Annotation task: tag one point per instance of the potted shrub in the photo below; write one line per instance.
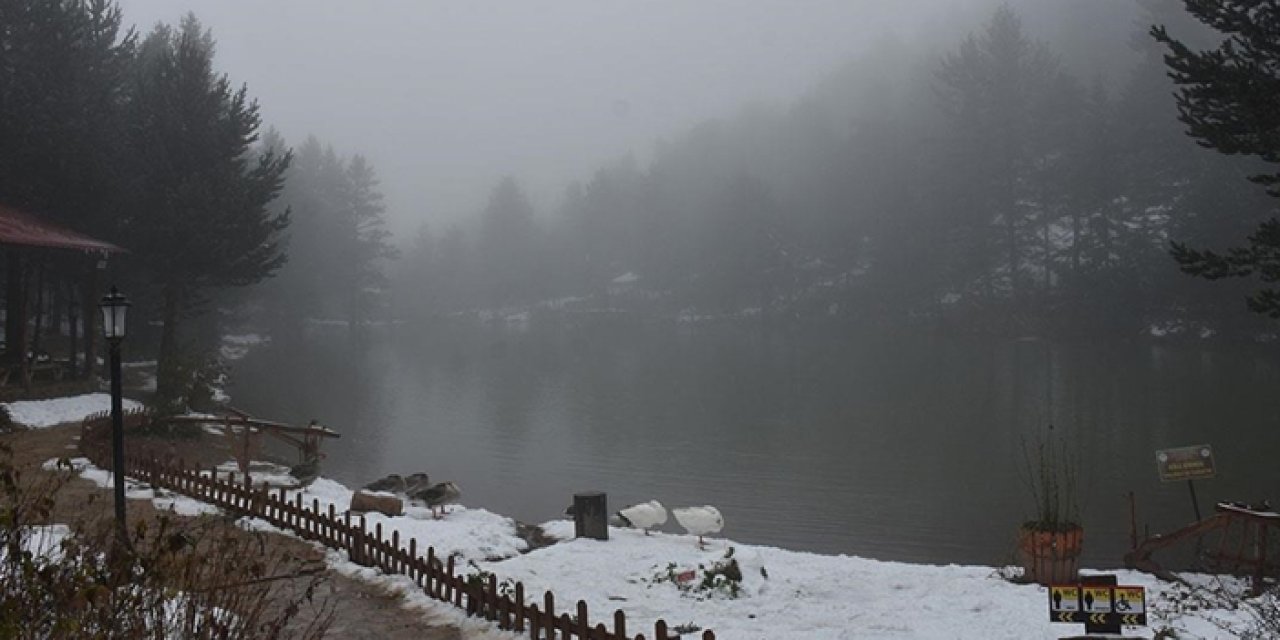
(1049, 542)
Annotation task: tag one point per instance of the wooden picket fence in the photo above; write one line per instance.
(435, 577)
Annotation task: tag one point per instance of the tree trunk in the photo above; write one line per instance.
(38, 333)
(169, 386)
(90, 314)
(72, 331)
(15, 327)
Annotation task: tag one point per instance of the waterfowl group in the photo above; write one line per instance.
(698, 521)
(417, 486)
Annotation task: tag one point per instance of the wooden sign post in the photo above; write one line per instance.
(1186, 463)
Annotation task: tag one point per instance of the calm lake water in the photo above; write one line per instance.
(901, 446)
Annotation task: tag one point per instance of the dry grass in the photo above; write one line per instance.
(173, 577)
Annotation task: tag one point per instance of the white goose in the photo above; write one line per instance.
(699, 521)
(644, 515)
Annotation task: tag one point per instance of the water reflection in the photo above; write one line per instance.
(892, 445)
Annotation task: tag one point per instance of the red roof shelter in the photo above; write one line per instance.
(26, 230)
(33, 246)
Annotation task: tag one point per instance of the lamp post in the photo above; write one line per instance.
(114, 305)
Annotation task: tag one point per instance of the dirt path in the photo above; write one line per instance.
(361, 610)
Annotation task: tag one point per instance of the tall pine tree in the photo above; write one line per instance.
(199, 217)
(1228, 99)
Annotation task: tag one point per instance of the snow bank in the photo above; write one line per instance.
(783, 594)
(40, 414)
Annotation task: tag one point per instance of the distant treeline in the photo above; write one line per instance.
(984, 184)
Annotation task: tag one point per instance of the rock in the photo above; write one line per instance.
(383, 503)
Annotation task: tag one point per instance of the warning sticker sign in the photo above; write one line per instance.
(1097, 600)
(1097, 604)
(1129, 600)
(1064, 598)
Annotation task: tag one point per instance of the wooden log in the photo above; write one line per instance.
(362, 501)
(660, 630)
(619, 624)
(708, 635)
(584, 622)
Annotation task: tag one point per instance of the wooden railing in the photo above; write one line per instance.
(435, 577)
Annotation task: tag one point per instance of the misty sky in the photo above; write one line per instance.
(446, 97)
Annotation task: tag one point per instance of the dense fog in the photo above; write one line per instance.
(1012, 168)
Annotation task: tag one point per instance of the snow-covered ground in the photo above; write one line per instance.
(40, 414)
(784, 594)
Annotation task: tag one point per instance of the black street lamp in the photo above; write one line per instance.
(114, 305)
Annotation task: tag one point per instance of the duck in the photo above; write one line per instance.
(644, 515)
(392, 484)
(438, 496)
(416, 482)
(699, 521)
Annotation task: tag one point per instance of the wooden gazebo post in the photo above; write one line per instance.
(89, 313)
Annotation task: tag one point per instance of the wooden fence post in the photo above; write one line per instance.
(491, 598)
(431, 574)
(448, 582)
(438, 580)
(535, 622)
(520, 612)
(549, 604)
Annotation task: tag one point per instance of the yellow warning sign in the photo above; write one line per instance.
(1064, 598)
(1129, 601)
(1097, 600)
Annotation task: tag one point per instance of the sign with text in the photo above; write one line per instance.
(1185, 463)
(1097, 604)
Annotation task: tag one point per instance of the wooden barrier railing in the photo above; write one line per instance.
(437, 578)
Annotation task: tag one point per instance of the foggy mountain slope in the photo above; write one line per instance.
(977, 177)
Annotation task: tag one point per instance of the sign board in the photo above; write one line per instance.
(1185, 463)
(1097, 604)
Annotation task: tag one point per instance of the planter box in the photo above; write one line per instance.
(1050, 557)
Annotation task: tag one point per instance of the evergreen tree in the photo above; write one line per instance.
(363, 243)
(62, 66)
(506, 246)
(996, 88)
(1228, 100)
(199, 215)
